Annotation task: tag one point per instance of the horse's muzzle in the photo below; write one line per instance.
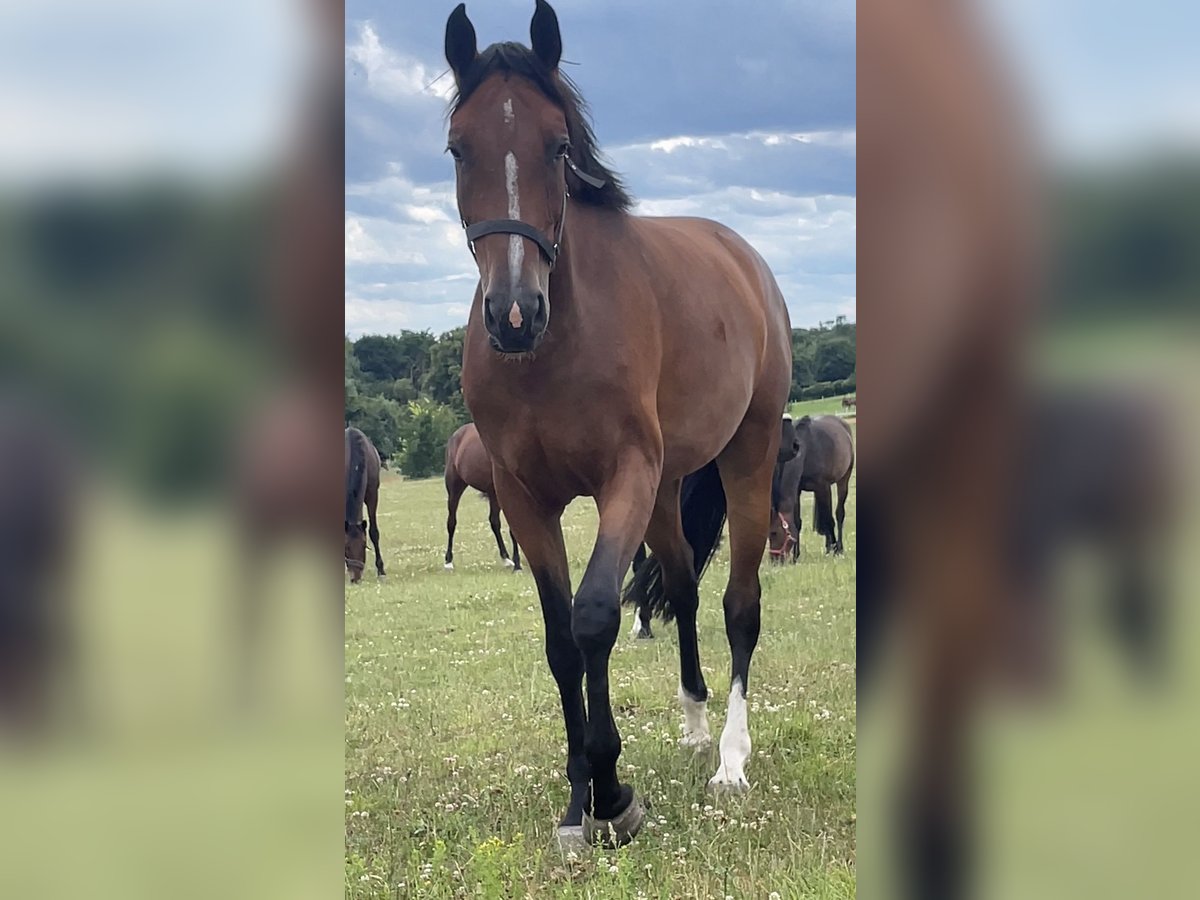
(516, 324)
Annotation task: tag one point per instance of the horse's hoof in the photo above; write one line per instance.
(697, 740)
(617, 831)
(571, 839)
(449, 567)
(721, 783)
(509, 563)
(646, 635)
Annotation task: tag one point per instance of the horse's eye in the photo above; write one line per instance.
(454, 152)
(563, 149)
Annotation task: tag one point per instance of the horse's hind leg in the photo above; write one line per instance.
(641, 616)
(494, 521)
(516, 552)
(843, 488)
(372, 499)
(666, 538)
(823, 499)
(454, 492)
(745, 465)
(795, 514)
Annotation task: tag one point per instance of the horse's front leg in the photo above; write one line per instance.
(372, 499)
(540, 532)
(625, 503)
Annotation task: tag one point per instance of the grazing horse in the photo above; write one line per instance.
(468, 465)
(362, 485)
(672, 335)
(825, 458)
(849, 402)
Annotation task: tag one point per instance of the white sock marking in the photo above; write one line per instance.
(636, 628)
(735, 743)
(449, 567)
(695, 721)
(516, 244)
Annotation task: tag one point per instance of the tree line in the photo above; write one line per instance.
(404, 390)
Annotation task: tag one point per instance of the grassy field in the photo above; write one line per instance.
(827, 406)
(455, 747)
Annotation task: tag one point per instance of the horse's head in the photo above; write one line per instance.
(356, 549)
(780, 538)
(510, 141)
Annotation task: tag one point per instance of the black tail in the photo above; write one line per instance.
(823, 511)
(702, 502)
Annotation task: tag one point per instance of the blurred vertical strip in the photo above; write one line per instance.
(171, 329)
(1029, 231)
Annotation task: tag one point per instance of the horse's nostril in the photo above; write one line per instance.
(489, 318)
(539, 318)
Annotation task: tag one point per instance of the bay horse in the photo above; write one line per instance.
(825, 458)
(362, 486)
(468, 465)
(674, 337)
(850, 402)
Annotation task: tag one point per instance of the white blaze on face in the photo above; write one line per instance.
(735, 743)
(516, 245)
(509, 116)
(695, 721)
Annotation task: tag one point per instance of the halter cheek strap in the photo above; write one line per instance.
(524, 229)
(789, 540)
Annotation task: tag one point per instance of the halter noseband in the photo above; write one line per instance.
(788, 541)
(524, 229)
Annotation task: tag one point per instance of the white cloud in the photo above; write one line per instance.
(391, 75)
(838, 139)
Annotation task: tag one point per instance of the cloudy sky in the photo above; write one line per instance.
(739, 112)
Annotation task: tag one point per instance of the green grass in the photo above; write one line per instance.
(455, 747)
(826, 406)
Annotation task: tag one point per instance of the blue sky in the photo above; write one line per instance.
(739, 112)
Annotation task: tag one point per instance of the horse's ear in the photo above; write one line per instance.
(460, 42)
(544, 33)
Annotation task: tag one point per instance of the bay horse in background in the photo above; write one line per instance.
(468, 465)
(825, 458)
(362, 486)
(674, 337)
(850, 402)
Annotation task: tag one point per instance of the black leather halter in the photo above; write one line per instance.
(524, 229)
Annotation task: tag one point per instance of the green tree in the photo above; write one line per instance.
(834, 360)
(427, 428)
(443, 381)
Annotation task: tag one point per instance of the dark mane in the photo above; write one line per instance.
(511, 58)
(356, 474)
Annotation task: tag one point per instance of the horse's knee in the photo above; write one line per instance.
(595, 619)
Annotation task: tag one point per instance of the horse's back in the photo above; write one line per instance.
(705, 248)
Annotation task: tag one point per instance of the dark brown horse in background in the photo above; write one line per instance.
(362, 486)
(825, 458)
(468, 465)
(673, 335)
